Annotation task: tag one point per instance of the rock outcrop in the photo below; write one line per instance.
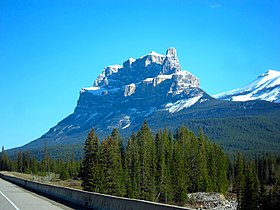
(213, 201)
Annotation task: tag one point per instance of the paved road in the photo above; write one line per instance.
(13, 197)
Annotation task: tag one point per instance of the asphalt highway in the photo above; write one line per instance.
(13, 197)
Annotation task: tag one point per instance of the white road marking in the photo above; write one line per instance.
(9, 201)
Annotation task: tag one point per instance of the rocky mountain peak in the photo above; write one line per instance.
(124, 95)
(137, 70)
(171, 52)
(171, 63)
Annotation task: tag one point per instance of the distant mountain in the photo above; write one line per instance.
(155, 88)
(265, 87)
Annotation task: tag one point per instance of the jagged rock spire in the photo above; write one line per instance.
(135, 70)
(171, 52)
(171, 63)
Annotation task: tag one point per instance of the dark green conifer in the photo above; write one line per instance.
(112, 168)
(222, 165)
(238, 181)
(203, 178)
(147, 153)
(116, 136)
(163, 175)
(179, 174)
(249, 199)
(128, 169)
(90, 172)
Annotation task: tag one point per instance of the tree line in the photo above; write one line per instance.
(162, 168)
(23, 162)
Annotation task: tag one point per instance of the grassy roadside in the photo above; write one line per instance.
(71, 183)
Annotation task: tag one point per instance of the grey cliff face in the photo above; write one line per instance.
(135, 71)
(171, 63)
(123, 96)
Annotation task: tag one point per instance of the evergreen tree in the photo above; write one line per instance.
(249, 199)
(116, 136)
(136, 167)
(263, 198)
(128, 169)
(147, 155)
(179, 174)
(90, 172)
(112, 167)
(238, 182)
(212, 165)
(4, 161)
(169, 150)
(34, 166)
(26, 162)
(64, 175)
(203, 178)
(221, 160)
(275, 198)
(163, 175)
(20, 162)
(193, 163)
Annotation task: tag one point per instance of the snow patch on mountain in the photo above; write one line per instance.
(182, 104)
(153, 53)
(265, 87)
(124, 123)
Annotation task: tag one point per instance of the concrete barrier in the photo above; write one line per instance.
(88, 199)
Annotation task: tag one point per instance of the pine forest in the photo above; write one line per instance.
(162, 167)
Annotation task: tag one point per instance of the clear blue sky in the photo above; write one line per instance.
(50, 49)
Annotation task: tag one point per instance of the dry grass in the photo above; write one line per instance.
(71, 183)
(75, 184)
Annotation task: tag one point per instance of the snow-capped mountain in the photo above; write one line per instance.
(123, 96)
(154, 88)
(265, 87)
(153, 77)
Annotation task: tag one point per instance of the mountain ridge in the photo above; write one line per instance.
(264, 87)
(156, 89)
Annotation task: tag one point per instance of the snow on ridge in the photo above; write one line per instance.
(153, 53)
(165, 76)
(256, 90)
(148, 80)
(132, 60)
(182, 104)
(126, 126)
(160, 76)
(267, 77)
(125, 120)
(99, 90)
(271, 72)
(274, 82)
(115, 66)
(94, 90)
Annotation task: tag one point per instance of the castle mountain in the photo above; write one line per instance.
(155, 88)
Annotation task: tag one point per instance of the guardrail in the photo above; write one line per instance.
(89, 199)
